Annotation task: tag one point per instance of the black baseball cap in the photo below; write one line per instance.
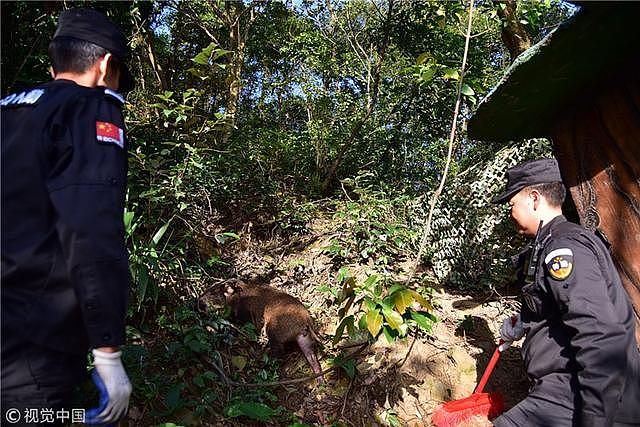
(532, 172)
(94, 27)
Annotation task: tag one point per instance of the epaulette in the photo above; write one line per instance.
(112, 94)
(28, 97)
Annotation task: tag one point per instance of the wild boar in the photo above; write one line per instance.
(284, 318)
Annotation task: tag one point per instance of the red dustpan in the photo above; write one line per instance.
(488, 405)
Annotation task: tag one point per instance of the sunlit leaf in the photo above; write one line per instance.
(343, 274)
(239, 362)
(422, 301)
(427, 73)
(402, 300)
(370, 281)
(389, 334)
(424, 57)
(423, 321)
(466, 90)
(203, 57)
(158, 235)
(451, 73)
(395, 288)
(393, 318)
(128, 219)
(374, 322)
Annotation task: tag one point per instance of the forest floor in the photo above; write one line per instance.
(398, 383)
(402, 383)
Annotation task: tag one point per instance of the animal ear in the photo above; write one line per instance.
(229, 291)
(233, 286)
(236, 284)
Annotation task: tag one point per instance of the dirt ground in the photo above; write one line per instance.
(400, 383)
(443, 367)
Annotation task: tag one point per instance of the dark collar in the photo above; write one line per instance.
(551, 224)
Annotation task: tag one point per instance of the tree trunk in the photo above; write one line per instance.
(233, 80)
(238, 33)
(155, 65)
(596, 147)
(371, 103)
(513, 35)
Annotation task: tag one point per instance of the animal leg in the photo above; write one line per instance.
(276, 349)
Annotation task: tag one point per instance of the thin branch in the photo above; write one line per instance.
(221, 15)
(363, 58)
(251, 10)
(252, 18)
(479, 34)
(229, 382)
(15, 78)
(427, 227)
(196, 21)
(359, 123)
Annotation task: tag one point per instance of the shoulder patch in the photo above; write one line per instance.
(559, 263)
(108, 132)
(28, 97)
(114, 95)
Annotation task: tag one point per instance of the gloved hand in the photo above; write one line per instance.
(114, 387)
(512, 330)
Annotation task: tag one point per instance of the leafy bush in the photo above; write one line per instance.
(375, 248)
(381, 306)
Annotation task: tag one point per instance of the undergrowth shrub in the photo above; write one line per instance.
(376, 289)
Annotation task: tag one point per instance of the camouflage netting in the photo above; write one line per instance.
(473, 239)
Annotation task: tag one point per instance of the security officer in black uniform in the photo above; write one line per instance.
(65, 274)
(580, 350)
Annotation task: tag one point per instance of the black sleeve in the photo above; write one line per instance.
(574, 276)
(87, 189)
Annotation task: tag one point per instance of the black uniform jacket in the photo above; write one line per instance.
(65, 275)
(580, 348)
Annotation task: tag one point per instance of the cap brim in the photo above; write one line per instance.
(126, 83)
(506, 196)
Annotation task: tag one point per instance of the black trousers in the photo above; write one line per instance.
(37, 385)
(535, 411)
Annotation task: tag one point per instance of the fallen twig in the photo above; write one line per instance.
(229, 382)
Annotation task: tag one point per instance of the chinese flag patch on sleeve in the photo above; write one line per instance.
(108, 132)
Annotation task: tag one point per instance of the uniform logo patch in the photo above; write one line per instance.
(560, 263)
(108, 132)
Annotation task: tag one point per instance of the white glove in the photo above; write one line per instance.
(512, 330)
(114, 386)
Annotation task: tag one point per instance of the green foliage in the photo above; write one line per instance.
(181, 338)
(191, 389)
(378, 227)
(381, 307)
(379, 231)
(254, 410)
